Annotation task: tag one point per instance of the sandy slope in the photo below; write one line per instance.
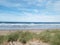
(29, 43)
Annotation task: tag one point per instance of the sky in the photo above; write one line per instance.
(30, 10)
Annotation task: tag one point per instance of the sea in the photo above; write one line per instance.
(29, 25)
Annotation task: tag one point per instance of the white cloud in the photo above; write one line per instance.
(56, 6)
(34, 2)
(42, 18)
(36, 11)
(40, 1)
(30, 17)
(53, 6)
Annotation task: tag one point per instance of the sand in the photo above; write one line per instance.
(5, 32)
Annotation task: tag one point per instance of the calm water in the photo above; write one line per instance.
(29, 25)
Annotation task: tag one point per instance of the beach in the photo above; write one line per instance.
(38, 39)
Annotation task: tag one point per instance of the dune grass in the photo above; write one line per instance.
(49, 36)
(45, 36)
(52, 37)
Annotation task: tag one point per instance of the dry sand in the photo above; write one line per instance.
(5, 32)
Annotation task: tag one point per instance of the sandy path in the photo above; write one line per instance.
(29, 43)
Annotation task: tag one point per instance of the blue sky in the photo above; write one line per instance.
(30, 10)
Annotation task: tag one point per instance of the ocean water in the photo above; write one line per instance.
(29, 25)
